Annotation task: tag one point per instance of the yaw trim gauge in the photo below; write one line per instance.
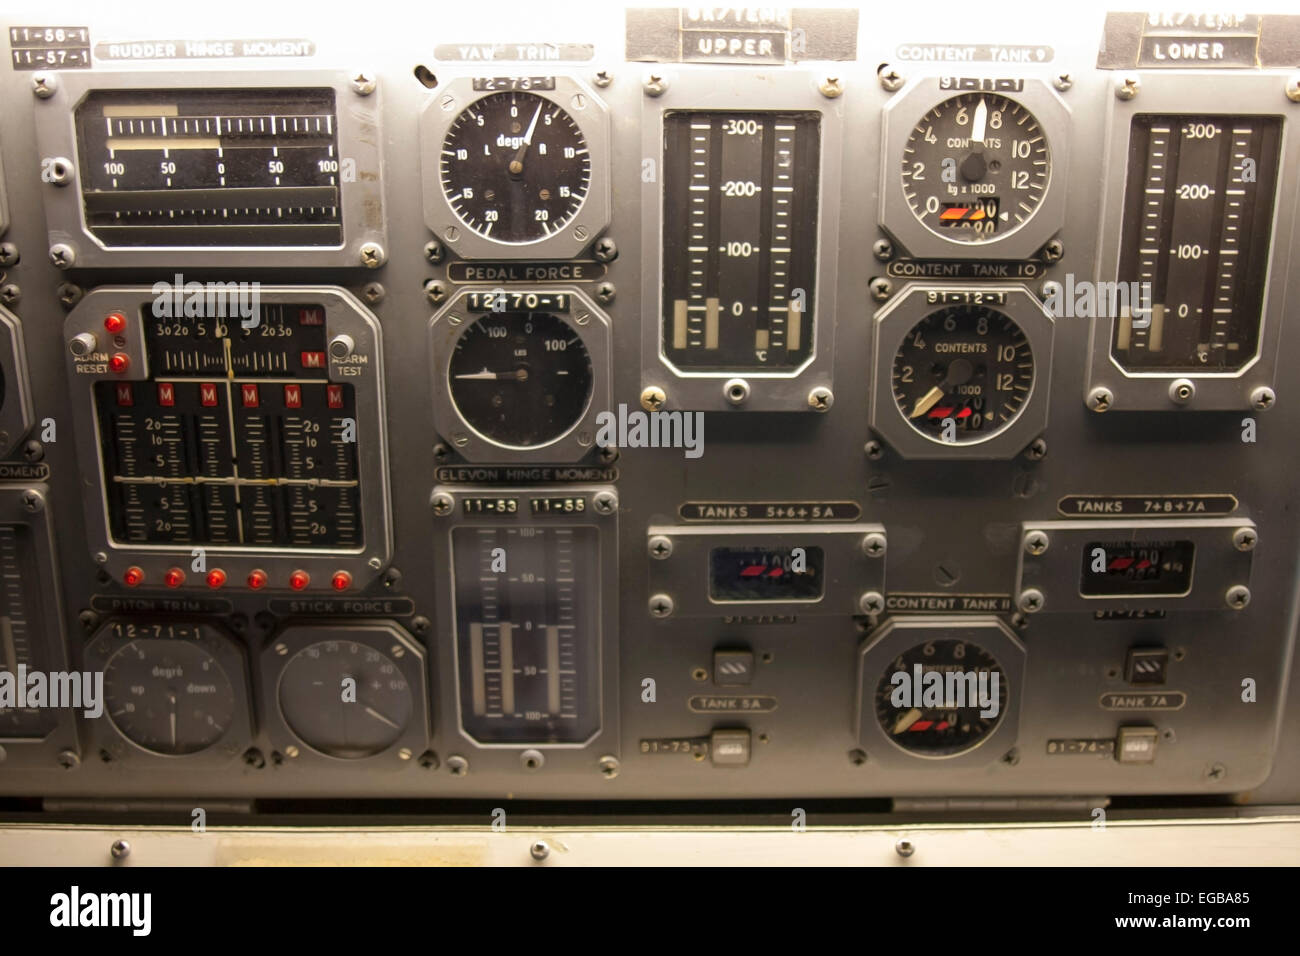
(974, 168)
(515, 169)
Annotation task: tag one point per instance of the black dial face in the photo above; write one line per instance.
(976, 167)
(515, 167)
(345, 699)
(165, 690)
(520, 379)
(941, 698)
(962, 374)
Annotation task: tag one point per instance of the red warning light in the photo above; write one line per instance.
(341, 581)
(257, 580)
(216, 578)
(120, 362)
(299, 580)
(174, 577)
(115, 323)
(132, 577)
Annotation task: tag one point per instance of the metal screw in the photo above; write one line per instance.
(1053, 251)
(602, 78)
(532, 760)
(831, 87)
(375, 563)
(457, 765)
(1262, 398)
(1245, 539)
(1215, 772)
(905, 848)
(429, 760)
(69, 294)
(60, 171)
(539, 850)
(1035, 542)
(605, 293)
(736, 391)
(1182, 391)
(69, 759)
(606, 250)
(873, 545)
(1100, 399)
(33, 501)
(120, 849)
(653, 398)
(654, 84)
(363, 84)
(373, 292)
(1238, 596)
(820, 399)
(1063, 82)
(604, 502)
(1012, 757)
(1126, 87)
(10, 293)
(873, 449)
(660, 546)
(883, 250)
(1293, 89)
(44, 84)
(62, 255)
(8, 254)
(442, 504)
(881, 288)
(1037, 450)
(890, 78)
(255, 759)
(871, 602)
(1048, 289)
(434, 251)
(661, 605)
(372, 255)
(609, 767)
(101, 557)
(435, 291)
(1031, 600)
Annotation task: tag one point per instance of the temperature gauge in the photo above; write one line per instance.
(740, 203)
(1198, 217)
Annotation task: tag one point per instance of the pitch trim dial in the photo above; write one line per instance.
(516, 169)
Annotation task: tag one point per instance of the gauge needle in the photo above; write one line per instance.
(380, 717)
(907, 720)
(981, 122)
(519, 375)
(171, 700)
(517, 164)
(926, 402)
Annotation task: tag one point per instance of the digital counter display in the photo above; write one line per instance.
(1120, 568)
(766, 574)
(739, 239)
(1198, 213)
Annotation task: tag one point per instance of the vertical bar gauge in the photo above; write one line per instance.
(23, 641)
(1198, 214)
(739, 239)
(527, 633)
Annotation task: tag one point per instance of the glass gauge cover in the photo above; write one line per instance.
(165, 690)
(515, 167)
(520, 379)
(976, 167)
(962, 374)
(941, 698)
(345, 699)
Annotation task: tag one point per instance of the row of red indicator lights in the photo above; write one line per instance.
(174, 577)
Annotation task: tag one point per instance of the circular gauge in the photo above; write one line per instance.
(520, 379)
(345, 699)
(976, 167)
(947, 713)
(515, 167)
(962, 374)
(168, 694)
